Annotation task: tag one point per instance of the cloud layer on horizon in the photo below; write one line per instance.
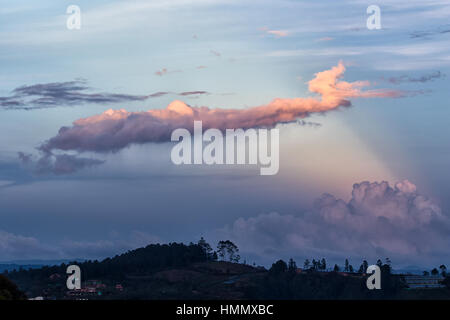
(19, 247)
(379, 221)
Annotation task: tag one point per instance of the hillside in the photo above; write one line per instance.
(178, 271)
(8, 290)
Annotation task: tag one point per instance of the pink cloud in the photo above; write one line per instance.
(278, 33)
(165, 71)
(117, 129)
(161, 72)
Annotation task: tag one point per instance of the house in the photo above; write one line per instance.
(55, 276)
(423, 282)
(119, 287)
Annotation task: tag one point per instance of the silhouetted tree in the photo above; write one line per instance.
(434, 272)
(206, 248)
(365, 266)
(336, 268)
(292, 266)
(228, 248)
(446, 282)
(388, 262)
(9, 291)
(379, 263)
(360, 270)
(346, 265)
(324, 264)
(306, 264)
(443, 270)
(350, 268)
(278, 267)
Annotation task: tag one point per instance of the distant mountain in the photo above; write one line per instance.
(12, 266)
(32, 264)
(43, 262)
(410, 270)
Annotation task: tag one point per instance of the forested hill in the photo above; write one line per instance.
(8, 290)
(196, 271)
(140, 261)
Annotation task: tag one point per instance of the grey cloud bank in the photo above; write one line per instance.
(379, 221)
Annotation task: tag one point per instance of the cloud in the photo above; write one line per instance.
(26, 158)
(159, 94)
(325, 39)
(425, 78)
(309, 123)
(165, 71)
(378, 221)
(189, 93)
(216, 53)
(278, 33)
(14, 246)
(19, 247)
(11, 103)
(106, 248)
(70, 93)
(427, 34)
(116, 129)
(57, 94)
(57, 164)
(64, 163)
(161, 72)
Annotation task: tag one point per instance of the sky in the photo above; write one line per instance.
(86, 117)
